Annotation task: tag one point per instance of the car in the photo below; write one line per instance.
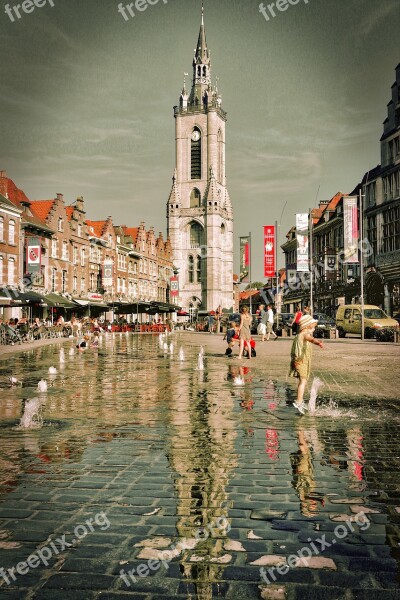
(348, 320)
(324, 326)
(396, 317)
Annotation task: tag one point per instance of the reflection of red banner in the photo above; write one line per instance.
(174, 287)
(269, 251)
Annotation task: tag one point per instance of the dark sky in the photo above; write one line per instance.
(86, 102)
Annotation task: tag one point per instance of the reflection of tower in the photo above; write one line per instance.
(199, 210)
(202, 438)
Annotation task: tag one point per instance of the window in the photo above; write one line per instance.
(82, 257)
(11, 271)
(196, 235)
(83, 284)
(196, 154)
(75, 284)
(65, 251)
(92, 282)
(11, 232)
(371, 233)
(54, 248)
(191, 269)
(1, 229)
(195, 198)
(60, 224)
(1, 270)
(198, 269)
(391, 229)
(74, 255)
(53, 280)
(64, 282)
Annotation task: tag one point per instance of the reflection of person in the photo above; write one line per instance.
(300, 363)
(244, 332)
(303, 476)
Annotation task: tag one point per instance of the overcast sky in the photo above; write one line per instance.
(86, 102)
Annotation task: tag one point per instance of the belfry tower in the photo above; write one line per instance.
(199, 210)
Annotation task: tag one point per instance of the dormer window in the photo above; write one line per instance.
(60, 224)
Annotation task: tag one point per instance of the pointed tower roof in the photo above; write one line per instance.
(202, 55)
(174, 197)
(212, 191)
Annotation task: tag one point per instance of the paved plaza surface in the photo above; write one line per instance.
(139, 474)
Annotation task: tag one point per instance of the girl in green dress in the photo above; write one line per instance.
(300, 357)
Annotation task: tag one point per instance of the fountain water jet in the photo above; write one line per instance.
(316, 384)
(200, 362)
(31, 410)
(181, 354)
(42, 385)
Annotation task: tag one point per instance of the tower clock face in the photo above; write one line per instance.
(195, 136)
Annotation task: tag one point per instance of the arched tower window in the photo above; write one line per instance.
(195, 198)
(199, 71)
(196, 235)
(191, 269)
(220, 156)
(204, 71)
(198, 269)
(196, 154)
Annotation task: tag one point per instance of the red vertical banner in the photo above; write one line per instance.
(174, 287)
(244, 260)
(269, 251)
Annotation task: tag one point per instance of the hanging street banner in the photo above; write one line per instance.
(174, 287)
(269, 251)
(244, 276)
(33, 255)
(108, 273)
(302, 242)
(350, 229)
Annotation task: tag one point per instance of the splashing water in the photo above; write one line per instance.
(42, 385)
(52, 370)
(31, 417)
(14, 381)
(71, 352)
(316, 384)
(181, 354)
(165, 347)
(200, 362)
(171, 348)
(62, 355)
(238, 380)
(161, 340)
(201, 351)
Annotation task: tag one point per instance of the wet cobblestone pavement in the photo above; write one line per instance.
(149, 478)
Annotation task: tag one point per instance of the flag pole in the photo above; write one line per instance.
(251, 309)
(277, 274)
(310, 251)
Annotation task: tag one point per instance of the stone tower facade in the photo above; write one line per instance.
(199, 210)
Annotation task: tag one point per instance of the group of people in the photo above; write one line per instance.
(303, 325)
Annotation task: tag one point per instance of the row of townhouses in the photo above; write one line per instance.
(53, 258)
(335, 281)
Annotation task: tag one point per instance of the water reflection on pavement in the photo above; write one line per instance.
(170, 452)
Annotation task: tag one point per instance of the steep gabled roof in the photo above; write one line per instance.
(130, 232)
(97, 226)
(15, 194)
(69, 211)
(42, 208)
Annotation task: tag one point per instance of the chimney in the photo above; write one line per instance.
(60, 197)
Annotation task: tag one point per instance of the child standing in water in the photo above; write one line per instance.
(300, 363)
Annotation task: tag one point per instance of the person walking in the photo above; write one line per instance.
(210, 320)
(295, 322)
(270, 323)
(262, 326)
(300, 358)
(218, 315)
(245, 332)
